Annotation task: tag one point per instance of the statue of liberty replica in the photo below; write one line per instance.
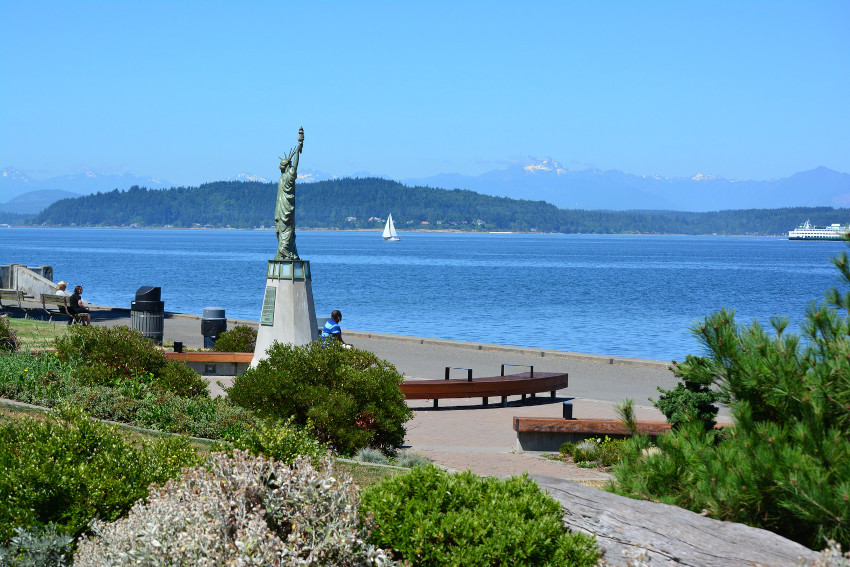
(284, 211)
(288, 314)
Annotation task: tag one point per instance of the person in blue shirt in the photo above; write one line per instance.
(331, 328)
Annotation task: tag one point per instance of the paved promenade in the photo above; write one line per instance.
(462, 434)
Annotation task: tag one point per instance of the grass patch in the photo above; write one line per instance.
(37, 335)
(364, 474)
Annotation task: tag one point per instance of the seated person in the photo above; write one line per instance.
(77, 307)
(60, 289)
(331, 328)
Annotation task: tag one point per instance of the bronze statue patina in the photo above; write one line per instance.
(284, 211)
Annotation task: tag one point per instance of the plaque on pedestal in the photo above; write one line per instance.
(288, 314)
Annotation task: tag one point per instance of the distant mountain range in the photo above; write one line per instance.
(547, 180)
(536, 180)
(28, 195)
(25, 195)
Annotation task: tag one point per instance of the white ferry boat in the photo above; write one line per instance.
(808, 231)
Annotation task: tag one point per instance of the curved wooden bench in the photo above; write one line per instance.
(521, 384)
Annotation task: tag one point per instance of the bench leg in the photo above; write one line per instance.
(553, 393)
(485, 402)
(523, 397)
(436, 403)
(504, 401)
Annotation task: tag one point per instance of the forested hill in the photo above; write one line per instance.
(365, 202)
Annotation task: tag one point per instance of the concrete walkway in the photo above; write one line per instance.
(462, 434)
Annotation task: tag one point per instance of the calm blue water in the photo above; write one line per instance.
(616, 295)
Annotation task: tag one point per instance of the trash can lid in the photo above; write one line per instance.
(148, 293)
(214, 313)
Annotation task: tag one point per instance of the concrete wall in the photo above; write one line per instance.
(34, 280)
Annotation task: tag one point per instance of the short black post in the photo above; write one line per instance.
(178, 346)
(568, 410)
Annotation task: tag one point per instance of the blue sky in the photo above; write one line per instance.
(200, 91)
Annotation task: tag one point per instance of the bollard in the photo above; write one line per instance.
(178, 346)
(213, 324)
(568, 410)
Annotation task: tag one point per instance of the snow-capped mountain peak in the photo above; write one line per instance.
(704, 177)
(251, 177)
(11, 174)
(545, 164)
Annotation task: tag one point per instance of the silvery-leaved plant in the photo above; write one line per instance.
(240, 510)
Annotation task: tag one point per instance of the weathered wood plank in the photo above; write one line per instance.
(670, 536)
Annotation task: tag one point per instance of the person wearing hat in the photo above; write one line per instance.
(60, 288)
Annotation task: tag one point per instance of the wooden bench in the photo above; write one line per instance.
(54, 304)
(14, 299)
(521, 384)
(549, 433)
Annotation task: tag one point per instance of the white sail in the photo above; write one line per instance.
(389, 230)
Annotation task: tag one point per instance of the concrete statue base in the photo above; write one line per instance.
(288, 315)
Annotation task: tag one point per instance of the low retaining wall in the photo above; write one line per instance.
(548, 434)
(34, 280)
(214, 363)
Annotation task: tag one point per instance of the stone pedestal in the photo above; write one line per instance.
(288, 315)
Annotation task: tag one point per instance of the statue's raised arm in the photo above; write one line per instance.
(298, 150)
(284, 212)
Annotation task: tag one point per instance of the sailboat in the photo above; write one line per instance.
(389, 230)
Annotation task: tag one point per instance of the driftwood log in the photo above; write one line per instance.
(668, 535)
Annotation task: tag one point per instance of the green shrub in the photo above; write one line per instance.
(785, 464)
(122, 358)
(41, 547)
(199, 417)
(70, 469)
(431, 517)
(601, 452)
(179, 379)
(625, 410)
(240, 338)
(692, 399)
(8, 338)
(585, 451)
(369, 455)
(239, 510)
(350, 398)
(609, 451)
(567, 448)
(409, 459)
(45, 379)
(278, 440)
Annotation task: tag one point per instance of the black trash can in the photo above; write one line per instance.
(147, 312)
(213, 324)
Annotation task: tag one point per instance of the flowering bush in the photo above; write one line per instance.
(239, 510)
(350, 398)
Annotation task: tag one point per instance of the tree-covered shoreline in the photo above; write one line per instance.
(363, 203)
